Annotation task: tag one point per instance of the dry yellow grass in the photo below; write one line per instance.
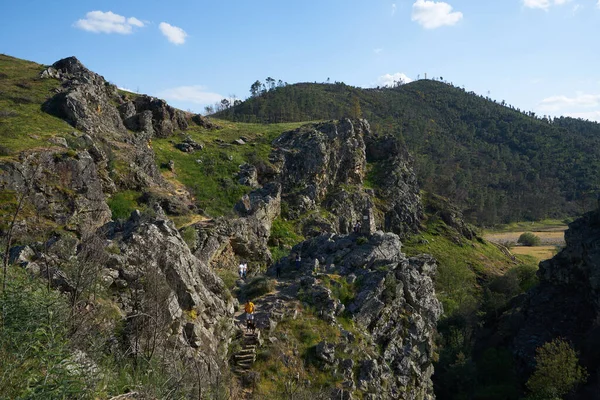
(539, 252)
(550, 238)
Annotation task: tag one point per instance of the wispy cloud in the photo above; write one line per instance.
(174, 34)
(433, 14)
(108, 22)
(393, 79)
(196, 94)
(377, 51)
(544, 4)
(560, 103)
(394, 8)
(591, 115)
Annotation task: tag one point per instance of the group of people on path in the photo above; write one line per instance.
(243, 270)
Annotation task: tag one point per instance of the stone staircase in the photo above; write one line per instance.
(244, 358)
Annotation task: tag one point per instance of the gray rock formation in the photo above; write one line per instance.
(325, 165)
(395, 304)
(200, 309)
(85, 101)
(149, 114)
(61, 187)
(224, 242)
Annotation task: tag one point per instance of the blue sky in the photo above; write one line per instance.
(540, 55)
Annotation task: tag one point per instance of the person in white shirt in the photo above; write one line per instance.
(241, 270)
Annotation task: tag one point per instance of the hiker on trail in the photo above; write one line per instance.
(357, 227)
(245, 270)
(249, 309)
(241, 270)
(278, 270)
(298, 259)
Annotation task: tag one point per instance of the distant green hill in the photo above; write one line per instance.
(497, 163)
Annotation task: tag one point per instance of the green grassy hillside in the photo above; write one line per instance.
(23, 124)
(497, 163)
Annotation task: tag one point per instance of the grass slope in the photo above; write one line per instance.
(210, 174)
(23, 125)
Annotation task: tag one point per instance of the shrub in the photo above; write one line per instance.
(35, 358)
(122, 204)
(529, 239)
(190, 236)
(557, 371)
(257, 287)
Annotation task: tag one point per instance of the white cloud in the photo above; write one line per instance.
(173, 33)
(108, 22)
(135, 22)
(544, 4)
(592, 115)
(391, 79)
(196, 94)
(558, 103)
(378, 50)
(433, 14)
(394, 9)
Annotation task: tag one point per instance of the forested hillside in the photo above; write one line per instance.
(497, 163)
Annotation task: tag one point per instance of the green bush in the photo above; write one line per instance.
(35, 358)
(122, 204)
(257, 287)
(557, 371)
(190, 236)
(529, 239)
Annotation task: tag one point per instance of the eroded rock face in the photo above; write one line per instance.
(85, 99)
(325, 165)
(222, 243)
(65, 188)
(395, 304)
(150, 114)
(200, 309)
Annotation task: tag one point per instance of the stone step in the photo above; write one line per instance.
(244, 364)
(241, 357)
(241, 371)
(247, 351)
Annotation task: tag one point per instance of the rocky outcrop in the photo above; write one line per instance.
(394, 303)
(152, 253)
(93, 105)
(146, 113)
(224, 242)
(86, 99)
(395, 184)
(315, 161)
(62, 187)
(325, 165)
